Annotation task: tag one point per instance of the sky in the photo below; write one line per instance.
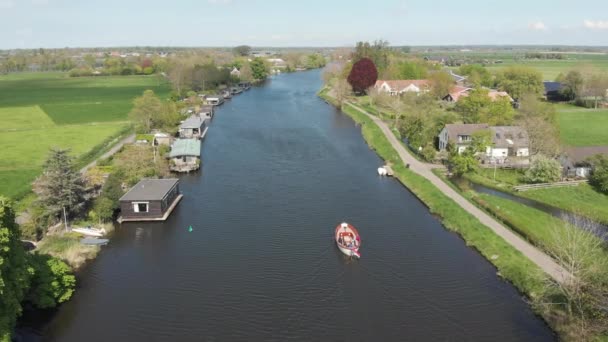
(285, 23)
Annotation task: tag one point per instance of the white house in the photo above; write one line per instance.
(507, 141)
(235, 72)
(398, 87)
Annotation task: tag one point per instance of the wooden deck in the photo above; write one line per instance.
(153, 219)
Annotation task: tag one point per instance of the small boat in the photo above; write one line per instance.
(90, 231)
(348, 239)
(94, 241)
(382, 171)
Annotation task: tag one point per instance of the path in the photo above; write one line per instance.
(114, 149)
(542, 260)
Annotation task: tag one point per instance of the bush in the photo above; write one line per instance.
(52, 283)
(599, 176)
(543, 170)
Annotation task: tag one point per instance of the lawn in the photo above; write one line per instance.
(582, 126)
(43, 110)
(74, 100)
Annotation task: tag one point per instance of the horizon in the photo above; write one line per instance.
(55, 24)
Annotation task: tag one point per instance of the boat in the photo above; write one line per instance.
(382, 171)
(348, 239)
(90, 231)
(94, 241)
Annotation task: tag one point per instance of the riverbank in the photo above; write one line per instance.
(512, 265)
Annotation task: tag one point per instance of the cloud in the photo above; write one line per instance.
(6, 4)
(538, 26)
(596, 25)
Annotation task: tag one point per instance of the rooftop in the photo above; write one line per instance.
(186, 147)
(150, 190)
(454, 130)
(192, 122)
(578, 155)
(509, 136)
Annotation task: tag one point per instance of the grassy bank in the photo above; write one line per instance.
(582, 126)
(511, 264)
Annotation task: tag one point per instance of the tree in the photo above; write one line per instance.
(539, 120)
(499, 113)
(246, 74)
(477, 75)
(363, 75)
(259, 71)
(242, 50)
(146, 109)
(341, 90)
(52, 282)
(103, 208)
(410, 70)
(14, 271)
(60, 187)
(397, 107)
(599, 176)
(543, 170)
(461, 163)
(472, 106)
(595, 86)
(441, 84)
(579, 247)
(573, 85)
(378, 52)
(519, 80)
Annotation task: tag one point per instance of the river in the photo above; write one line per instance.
(280, 170)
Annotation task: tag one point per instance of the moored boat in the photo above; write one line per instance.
(90, 231)
(348, 239)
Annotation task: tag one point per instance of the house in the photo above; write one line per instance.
(193, 127)
(215, 100)
(553, 91)
(574, 160)
(150, 200)
(459, 136)
(437, 59)
(235, 72)
(456, 93)
(398, 87)
(507, 141)
(185, 155)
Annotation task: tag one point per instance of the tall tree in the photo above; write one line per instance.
(573, 84)
(471, 107)
(52, 283)
(363, 75)
(378, 52)
(14, 273)
(595, 86)
(60, 187)
(441, 84)
(242, 50)
(477, 75)
(146, 109)
(539, 120)
(518, 80)
(259, 71)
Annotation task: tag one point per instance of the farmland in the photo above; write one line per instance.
(582, 126)
(44, 110)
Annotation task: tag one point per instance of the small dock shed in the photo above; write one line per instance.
(150, 200)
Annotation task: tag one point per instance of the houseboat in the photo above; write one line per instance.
(226, 94)
(215, 100)
(235, 90)
(206, 112)
(245, 85)
(185, 155)
(150, 200)
(193, 127)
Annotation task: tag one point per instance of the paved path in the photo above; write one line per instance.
(541, 259)
(114, 149)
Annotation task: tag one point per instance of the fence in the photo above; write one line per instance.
(548, 185)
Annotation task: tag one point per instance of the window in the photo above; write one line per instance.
(140, 207)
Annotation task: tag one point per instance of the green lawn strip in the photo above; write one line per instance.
(582, 126)
(23, 118)
(512, 265)
(581, 199)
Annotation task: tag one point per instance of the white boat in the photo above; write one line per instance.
(382, 171)
(90, 231)
(348, 240)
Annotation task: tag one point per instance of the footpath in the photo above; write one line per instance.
(542, 260)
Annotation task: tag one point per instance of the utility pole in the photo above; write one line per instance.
(65, 219)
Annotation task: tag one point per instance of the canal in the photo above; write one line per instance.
(280, 170)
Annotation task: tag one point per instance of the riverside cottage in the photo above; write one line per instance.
(185, 155)
(150, 200)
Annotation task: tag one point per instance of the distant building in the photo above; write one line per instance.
(459, 136)
(150, 200)
(398, 87)
(575, 160)
(235, 72)
(458, 92)
(185, 155)
(553, 91)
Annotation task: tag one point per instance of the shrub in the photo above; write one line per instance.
(543, 170)
(599, 176)
(52, 283)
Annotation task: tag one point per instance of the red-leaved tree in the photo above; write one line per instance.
(363, 75)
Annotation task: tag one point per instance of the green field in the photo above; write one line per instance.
(39, 111)
(582, 126)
